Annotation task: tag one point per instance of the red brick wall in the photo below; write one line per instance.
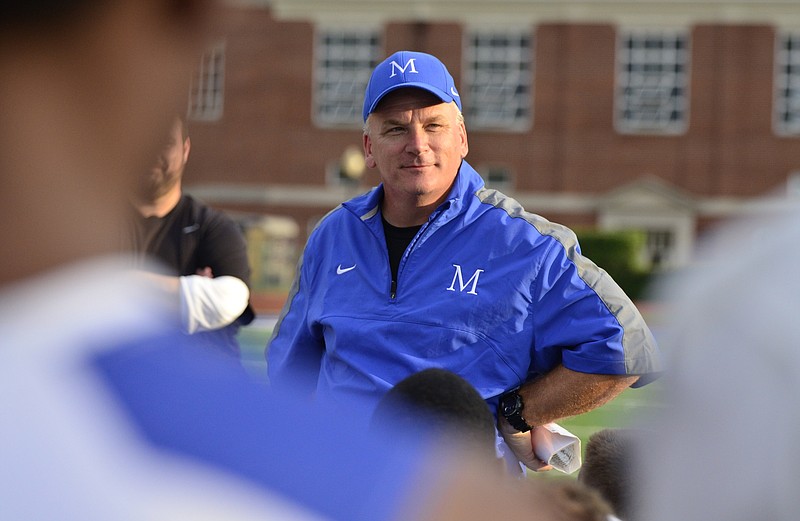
(266, 135)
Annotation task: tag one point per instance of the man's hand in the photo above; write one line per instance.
(521, 444)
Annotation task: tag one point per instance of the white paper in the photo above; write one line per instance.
(558, 447)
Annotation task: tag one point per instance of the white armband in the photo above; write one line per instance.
(211, 303)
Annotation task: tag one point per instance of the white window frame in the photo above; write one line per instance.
(652, 81)
(499, 78)
(344, 58)
(786, 113)
(207, 90)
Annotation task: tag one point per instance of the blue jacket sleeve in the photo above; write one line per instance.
(585, 321)
(294, 351)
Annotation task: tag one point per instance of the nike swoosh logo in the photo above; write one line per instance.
(340, 270)
(454, 92)
(191, 228)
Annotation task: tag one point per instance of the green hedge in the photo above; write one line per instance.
(619, 253)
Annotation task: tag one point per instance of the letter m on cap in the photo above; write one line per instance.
(396, 66)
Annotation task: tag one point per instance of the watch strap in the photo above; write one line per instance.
(511, 406)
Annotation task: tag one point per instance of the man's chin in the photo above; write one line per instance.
(149, 193)
(155, 187)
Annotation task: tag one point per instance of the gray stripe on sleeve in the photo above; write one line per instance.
(641, 354)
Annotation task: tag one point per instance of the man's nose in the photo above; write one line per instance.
(418, 140)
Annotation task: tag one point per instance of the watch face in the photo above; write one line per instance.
(510, 404)
(511, 407)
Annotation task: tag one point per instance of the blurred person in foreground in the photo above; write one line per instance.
(725, 445)
(202, 249)
(439, 400)
(608, 468)
(433, 269)
(571, 500)
(108, 410)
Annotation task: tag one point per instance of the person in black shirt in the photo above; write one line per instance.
(202, 249)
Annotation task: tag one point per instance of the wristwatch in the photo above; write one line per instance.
(511, 408)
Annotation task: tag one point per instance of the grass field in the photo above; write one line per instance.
(253, 341)
(627, 409)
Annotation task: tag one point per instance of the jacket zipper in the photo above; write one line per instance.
(407, 253)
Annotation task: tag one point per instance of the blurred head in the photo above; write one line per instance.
(167, 172)
(440, 401)
(97, 81)
(608, 468)
(38, 15)
(570, 500)
(123, 66)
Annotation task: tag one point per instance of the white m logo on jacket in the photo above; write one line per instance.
(463, 285)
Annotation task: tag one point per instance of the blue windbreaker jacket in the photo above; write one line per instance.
(485, 289)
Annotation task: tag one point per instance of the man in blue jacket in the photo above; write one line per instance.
(432, 269)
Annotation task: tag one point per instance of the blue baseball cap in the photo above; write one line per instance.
(410, 69)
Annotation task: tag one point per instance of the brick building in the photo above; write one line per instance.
(658, 115)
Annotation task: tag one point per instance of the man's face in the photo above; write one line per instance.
(168, 168)
(417, 143)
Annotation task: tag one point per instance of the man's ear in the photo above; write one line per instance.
(464, 140)
(369, 160)
(187, 146)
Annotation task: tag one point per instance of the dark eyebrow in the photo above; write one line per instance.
(393, 123)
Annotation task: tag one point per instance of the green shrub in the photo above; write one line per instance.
(620, 254)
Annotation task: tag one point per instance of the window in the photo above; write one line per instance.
(499, 79)
(652, 82)
(206, 92)
(787, 84)
(660, 248)
(497, 177)
(664, 214)
(344, 61)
